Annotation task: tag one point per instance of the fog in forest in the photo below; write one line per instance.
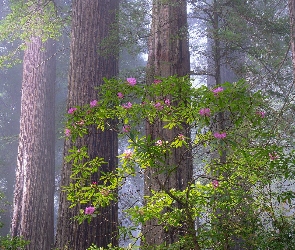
(233, 161)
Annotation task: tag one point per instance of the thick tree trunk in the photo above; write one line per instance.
(168, 56)
(91, 23)
(34, 188)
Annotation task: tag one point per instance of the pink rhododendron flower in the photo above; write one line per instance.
(159, 143)
(181, 137)
(127, 105)
(131, 81)
(260, 113)
(120, 95)
(167, 102)
(94, 183)
(67, 132)
(158, 106)
(273, 156)
(215, 183)
(72, 110)
(127, 154)
(80, 123)
(93, 103)
(204, 112)
(217, 91)
(126, 128)
(219, 135)
(89, 210)
(157, 81)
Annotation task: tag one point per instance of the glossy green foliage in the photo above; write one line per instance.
(234, 196)
(25, 20)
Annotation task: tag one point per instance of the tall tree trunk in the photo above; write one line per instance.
(220, 58)
(292, 24)
(168, 56)
(34, 188)
(91, 23)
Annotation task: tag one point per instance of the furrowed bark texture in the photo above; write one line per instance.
(91, 22)
(168, 56)
(34, 188)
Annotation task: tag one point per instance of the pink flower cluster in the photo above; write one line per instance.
(159, 143)
(217, 91)
(89, 210)
(67, 132)
(157, 81)
(205, 112)
(126, 128)
(260, 114)
(158, 106)
(127, 105)
(219, 135)
(131, 81)
(181, 137)
(120, 95)
(80, 123)
(215, 183)
(127, 154)
(93, 103)
(72, 110)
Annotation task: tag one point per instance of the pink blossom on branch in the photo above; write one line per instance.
(181, 137)
(205, 112)
(167, 102)
(157, 81)
(158, 106)
(159, 143)
(127, 154)
(260, 114)
(219, 135)
(67, 132)
(80, 123)
(72, 110)
(93, 103)
(127, 105)
(126, 129)
(215, 183)
(120, 95)
(89, 210)
(217, 91)
(131, 81)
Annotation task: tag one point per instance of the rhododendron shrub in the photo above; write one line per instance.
(232, 198)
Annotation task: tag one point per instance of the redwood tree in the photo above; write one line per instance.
(168, 56)
(92, 22)
(34, 188)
